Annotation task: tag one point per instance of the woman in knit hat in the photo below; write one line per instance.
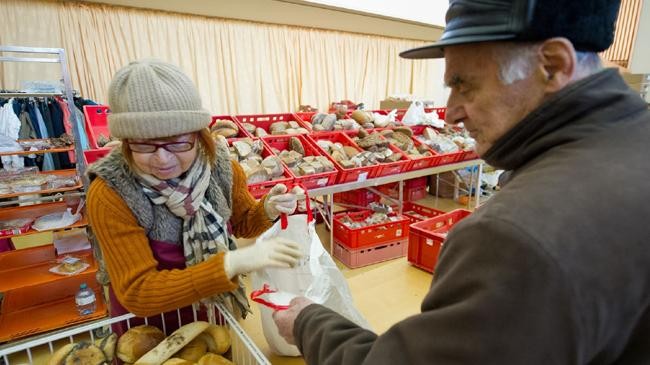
(164, 206)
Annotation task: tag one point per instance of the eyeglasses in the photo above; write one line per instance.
(173, 147)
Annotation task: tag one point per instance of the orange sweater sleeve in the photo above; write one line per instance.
(138, 285)
(248, 218)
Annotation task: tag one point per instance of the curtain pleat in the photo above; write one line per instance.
(239, 67)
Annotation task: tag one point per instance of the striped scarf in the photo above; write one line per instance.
(203, 228)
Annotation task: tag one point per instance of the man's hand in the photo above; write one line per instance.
(285, 319)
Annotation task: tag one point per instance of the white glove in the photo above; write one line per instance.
(275, 252)
(279, 201)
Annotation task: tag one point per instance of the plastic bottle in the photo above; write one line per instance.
(85, 300)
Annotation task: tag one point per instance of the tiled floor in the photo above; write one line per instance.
(405, 284)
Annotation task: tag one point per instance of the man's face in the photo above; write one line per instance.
(487, 107)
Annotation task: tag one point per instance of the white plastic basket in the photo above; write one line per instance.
(37, 350)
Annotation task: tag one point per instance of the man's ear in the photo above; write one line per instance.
(557, 63)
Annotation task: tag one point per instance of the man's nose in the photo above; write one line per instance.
(455, 111)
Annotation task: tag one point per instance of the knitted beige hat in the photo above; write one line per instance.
(154, 99)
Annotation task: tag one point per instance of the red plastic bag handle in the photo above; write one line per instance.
(284, 221)
(256, 297)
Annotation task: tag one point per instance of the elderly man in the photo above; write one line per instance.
(555, 269)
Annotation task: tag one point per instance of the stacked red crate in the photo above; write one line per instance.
(427, 237)
(369, 244)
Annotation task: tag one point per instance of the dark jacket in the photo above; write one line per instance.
(554, 269)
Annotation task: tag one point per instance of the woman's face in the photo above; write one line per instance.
(164, 158)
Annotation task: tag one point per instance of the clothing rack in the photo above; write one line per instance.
(46, 57)
(28, 95)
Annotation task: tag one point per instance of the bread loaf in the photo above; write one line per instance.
(221, 338)
(173, 343)
(137, 341)
(214, 359)
(193, 351)
(177, 361)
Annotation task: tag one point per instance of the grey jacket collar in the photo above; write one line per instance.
(588, 105)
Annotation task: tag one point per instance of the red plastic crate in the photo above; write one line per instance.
(264, 121)
(360, 197)
(413, 211)
(442, 159)
(345, 175)
(389, 168)
(96, 123)
(319, 180)
(372, 234)
(305, 116)
(414, 189)
(418, 163)
(469, 155)
(242, 132)
(260, 189)
(408, 194)
(95, 154)
(354, 258)
(427, 237)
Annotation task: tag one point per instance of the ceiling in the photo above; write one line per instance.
(296, 12)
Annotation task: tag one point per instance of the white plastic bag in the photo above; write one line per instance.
(316, 277)
(414, 114)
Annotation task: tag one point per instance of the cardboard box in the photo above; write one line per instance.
(389, 104)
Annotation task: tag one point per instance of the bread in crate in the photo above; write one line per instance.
(273, 124)
(389, 158)
(307, 164)
(350, 160)
(227, 127)
(262, 168)
(368, 228)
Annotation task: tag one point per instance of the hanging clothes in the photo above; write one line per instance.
(10, 128)
(48, 159)
(31, 110)
(57, 123)
(26, 128)
(49, 128)
(9, 122)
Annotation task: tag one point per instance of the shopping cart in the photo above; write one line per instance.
(37, 350)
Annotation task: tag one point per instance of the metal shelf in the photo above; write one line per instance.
(392, 178)
(328, 192)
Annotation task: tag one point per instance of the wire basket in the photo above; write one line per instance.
(38, 349)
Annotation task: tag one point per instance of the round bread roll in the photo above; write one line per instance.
(193, 350)
(224, 123)
(108, 345)
(173, 343)
(221, 338)
(214, 359)
(137, 341)
(81, 353)
(58, 357)
(177, 361)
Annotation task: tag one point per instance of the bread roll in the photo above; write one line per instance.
(214, 359)
(193, 351)
(221, 337)
(108, 345)
(58, 357)
(137, 341)
(177, 361)
(173, 343)
(85, 354)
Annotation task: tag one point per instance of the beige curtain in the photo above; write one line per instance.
(239, 67)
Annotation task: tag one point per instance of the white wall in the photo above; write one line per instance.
(430, 12)
(640, 58)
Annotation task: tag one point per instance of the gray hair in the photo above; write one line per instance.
(516, 61)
